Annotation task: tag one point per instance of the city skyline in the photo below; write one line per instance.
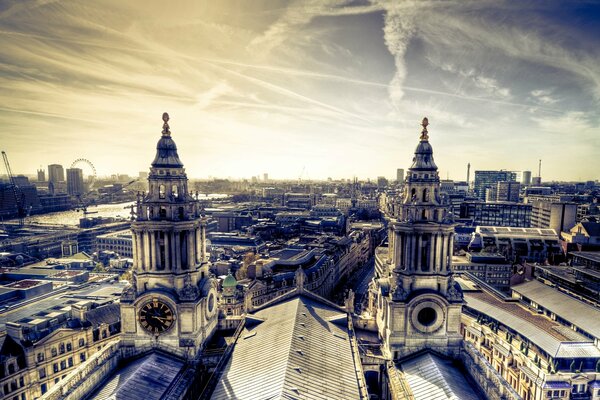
(306, 88)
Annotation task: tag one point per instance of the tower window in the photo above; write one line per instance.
(163, 213)
(427, 316)
(161, 192)
(425, 195)
(175, 191)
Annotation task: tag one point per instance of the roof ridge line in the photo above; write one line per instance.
(289, 352)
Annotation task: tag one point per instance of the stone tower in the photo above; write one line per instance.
(171, 303)
(419, 303)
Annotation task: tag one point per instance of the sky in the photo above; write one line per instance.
(310, 89)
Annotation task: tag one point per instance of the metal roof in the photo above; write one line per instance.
(580, 314)
(298, 352)
(537, 329)
(148, 377)
(433, 378)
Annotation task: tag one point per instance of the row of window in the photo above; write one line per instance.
(61, 350)
(14, 385)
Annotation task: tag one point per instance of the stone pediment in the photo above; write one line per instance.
(56, 335)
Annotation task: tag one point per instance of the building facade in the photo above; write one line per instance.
(75, 185)
(485, 180)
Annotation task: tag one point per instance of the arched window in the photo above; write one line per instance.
(11, 368)
(425, 195)
(175, 191)
(81, 342)
(413, 194)
(423, 214)
(161, 192)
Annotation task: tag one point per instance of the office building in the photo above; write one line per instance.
(400, 175)
(496, 214)
(504, 191)
(75, 186)
(560, 216)
(56, 173)
(526, 178)
(485, 180)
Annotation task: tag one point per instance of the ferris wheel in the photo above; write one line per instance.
(89, 171)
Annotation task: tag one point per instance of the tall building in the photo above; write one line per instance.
(496, 213)
(41, 175)
(526, 178)
(400, 175)
(421, 307)
(485, 180)
(558, 215)
(75, 185)
(171, 304)
(56, 173)
(504, 191)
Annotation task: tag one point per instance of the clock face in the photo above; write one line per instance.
(156, 316)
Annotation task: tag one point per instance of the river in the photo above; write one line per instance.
(119, 211)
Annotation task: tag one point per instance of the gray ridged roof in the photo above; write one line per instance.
(582, 315)
(297, 352)
(547, 337)
(433, 378)
(146, 378)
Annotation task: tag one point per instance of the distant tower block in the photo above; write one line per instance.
(526, 180)
(400, 175)
(468, 173)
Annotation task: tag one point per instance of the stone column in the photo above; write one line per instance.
(198, 245)
(444, 253)
(203, 244)
(438, 252)
(391, 247)
(413, 252)
(398, 249)
(135, 251)
(191, 249)
(177, 243)
(418, 265)
(146, 240)
(167, 250)
(450, 252)
(153, 263)
(431, 258)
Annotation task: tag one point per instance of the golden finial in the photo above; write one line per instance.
(165, 131)
(424, 132)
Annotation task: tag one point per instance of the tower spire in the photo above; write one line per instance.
(424, 133)
(165, 131)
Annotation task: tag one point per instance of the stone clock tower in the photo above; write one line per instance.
(419, 303)
(171, 303)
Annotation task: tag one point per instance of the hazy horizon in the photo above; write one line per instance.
(319, 88)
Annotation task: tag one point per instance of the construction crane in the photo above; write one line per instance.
(19, 195)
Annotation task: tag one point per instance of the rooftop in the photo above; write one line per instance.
(548, 335)
(580, 314)
(588, 255)
(294, 349)
(433, 378)
(148, 377)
